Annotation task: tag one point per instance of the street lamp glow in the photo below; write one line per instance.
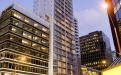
(104, 62)
(23, 59)
(105, 5)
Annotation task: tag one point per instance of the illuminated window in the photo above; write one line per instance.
(16, 15)
(44, 42)
(63, 71)
(71, 67)
(26, 42)
(35, 38)
(26, 27)
(63, 59)
(59, 10)
(45, 36)
(44, 29)
(44, 49)
(71, 72)
(36, 46)
(63, 47)
(37, 32)
(13, 29)
(25, 34)
(59, 63)
(36, 25)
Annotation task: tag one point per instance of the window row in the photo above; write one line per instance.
(57, 50)
(24, 50)
(59, 45)
(4, 30)
(6, 15)
(26, 34)
(59, 70)
(18, 57)
(22, 68)
(25, 19)
(71, 61)
(59, 5)
(58, 13)
(59, 29)
(24, 42)
(59, 63)
(58, 38)
(4, 23)
(25, 26)
(30, 36)
(59, 57)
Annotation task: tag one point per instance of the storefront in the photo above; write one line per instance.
(114, 70)
(89, 71)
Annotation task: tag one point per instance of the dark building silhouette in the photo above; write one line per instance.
(114, 14)
(95, 50)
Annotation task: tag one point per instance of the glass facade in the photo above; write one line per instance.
(117, 7)
(95, 50)
(114, 14)
(24, 44)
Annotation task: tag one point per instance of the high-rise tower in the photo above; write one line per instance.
(95, 50)
(59, 13)
(77, 47)
(114, 15)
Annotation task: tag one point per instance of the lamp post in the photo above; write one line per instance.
(22, 59)
(115, 31)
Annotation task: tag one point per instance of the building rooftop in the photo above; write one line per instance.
(29, 14)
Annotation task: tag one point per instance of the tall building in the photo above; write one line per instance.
(95, 50)
(63, 56)
(24, 42)
(77, 47)
(77, 37)
(114, 14)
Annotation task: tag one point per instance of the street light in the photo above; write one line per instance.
(115, 31)
(104, 62)
(105, 5)
(22, 59)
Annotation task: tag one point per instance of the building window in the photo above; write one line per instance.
(45, 36)
(36, 46)
(26, 42)
(44, 49)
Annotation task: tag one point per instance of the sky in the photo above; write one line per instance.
(90, 14)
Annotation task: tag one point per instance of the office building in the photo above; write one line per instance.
(95, 50)
(63, 56)
(24, 42)
(114, 15)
